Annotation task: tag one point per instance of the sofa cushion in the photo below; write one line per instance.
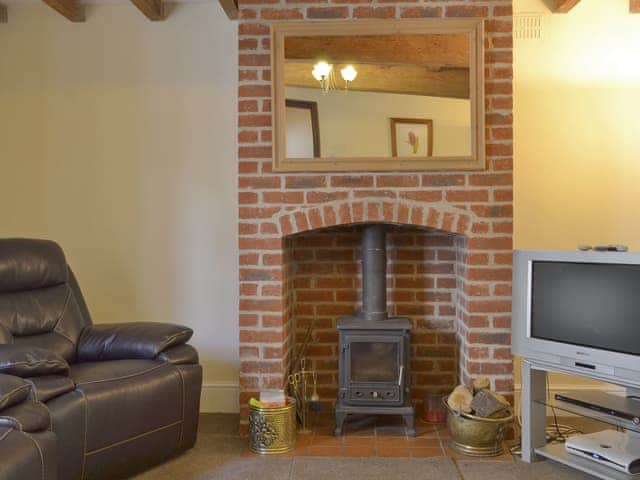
(50, 386)
(27, 361)
(128, 398)
(29, 416)
(13, 390)
(27, 264)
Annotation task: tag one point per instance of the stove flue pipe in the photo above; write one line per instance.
(374, 273)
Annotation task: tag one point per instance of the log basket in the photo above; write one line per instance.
(476, 436)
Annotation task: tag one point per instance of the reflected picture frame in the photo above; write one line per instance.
(411, 137)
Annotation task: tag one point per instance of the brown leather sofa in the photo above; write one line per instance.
(105, 401)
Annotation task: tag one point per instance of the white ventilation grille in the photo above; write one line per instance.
(527, 26)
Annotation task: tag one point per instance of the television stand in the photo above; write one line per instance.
(534, 403)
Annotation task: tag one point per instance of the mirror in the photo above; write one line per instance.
(374, 96)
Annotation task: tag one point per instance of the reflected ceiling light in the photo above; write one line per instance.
(323, 72)
(349, 73)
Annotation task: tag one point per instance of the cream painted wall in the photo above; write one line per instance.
(357, 124)
(117, 139)
(577, 130)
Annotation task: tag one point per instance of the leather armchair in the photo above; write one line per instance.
(119, 398)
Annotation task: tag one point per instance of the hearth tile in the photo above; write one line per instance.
(325, 430)
(392, 441)
(304, 440)
(359, 450)
(424, 427)
(392, 451)
(363, 432)
(391, 430)
(326, 441)
(355, 441)
(387, 420)
(427, 452)
(415, 442)
(299, 451)
(324, 451)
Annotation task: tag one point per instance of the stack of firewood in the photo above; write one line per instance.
(479, 400)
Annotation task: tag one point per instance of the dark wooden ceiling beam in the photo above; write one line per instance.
(4, 16)
(230, 7)
(71, 9)
(451, 50)
(153, 9)
(634, 6)
(563, 6)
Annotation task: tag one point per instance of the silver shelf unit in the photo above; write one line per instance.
(556, 452)
(587, 412)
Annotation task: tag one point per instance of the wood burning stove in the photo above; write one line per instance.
(374, 349)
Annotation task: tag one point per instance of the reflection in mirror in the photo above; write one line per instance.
(387, 95)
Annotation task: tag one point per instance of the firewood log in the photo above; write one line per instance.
(489, 404)
(460, 399)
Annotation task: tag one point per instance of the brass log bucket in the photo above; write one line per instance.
(476, 436)
(273, 430)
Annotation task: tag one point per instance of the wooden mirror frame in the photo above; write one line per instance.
(474, 27)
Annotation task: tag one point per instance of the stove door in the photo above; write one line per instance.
(374, 370)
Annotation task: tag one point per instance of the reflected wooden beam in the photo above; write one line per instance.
(230, 7)
(435, 50)
(70, 9)
(634, 6)
(4, 16)
(563, 6)
(402, 79)
(152, 9)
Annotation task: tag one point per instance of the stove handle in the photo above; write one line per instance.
(400, 375)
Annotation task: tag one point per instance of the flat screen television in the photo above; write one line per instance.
(579, 312)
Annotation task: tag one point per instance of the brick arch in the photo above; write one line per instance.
(404, 212)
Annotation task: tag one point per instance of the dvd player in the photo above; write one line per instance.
(616, 450)
(626, 408)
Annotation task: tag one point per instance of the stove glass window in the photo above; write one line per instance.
(374, 362)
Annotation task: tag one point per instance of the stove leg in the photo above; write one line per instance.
(408, 420)
(340, 417)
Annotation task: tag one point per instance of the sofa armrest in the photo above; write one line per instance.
(179, 355)
(13, 390)
(27, 361)
(123, 341)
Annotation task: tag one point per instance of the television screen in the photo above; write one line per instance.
(589, 304)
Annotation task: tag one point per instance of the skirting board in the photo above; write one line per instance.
(220, 397)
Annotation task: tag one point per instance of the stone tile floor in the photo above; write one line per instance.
(386, 454)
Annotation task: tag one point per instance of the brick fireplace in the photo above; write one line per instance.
(449, 243)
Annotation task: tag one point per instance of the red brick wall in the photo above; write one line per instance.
(475, 205)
